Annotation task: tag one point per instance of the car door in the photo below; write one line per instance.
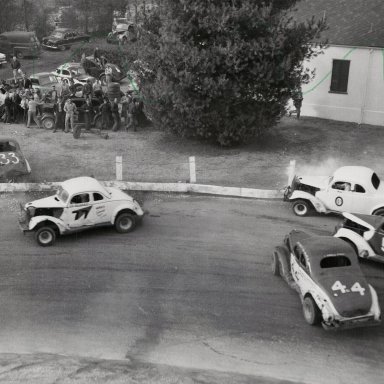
(301, 270)
(78, 213)
(338, 196)
(362, 201)
(101, 207)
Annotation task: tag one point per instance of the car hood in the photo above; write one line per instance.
(46, 202)
(320, 182)
(348, 304)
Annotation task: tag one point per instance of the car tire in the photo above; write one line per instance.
(76, 132)
(125, 223)
(301, 207)
(275, 263)
(311, 311)
(379, 212)
(20, 55)
(45, 236)
(48, 122)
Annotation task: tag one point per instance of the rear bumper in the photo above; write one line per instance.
(354, 322)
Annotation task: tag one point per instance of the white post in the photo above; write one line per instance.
(119, 168)
(291, 171)
(192, 169)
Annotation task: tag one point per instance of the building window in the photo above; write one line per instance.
(340, 74)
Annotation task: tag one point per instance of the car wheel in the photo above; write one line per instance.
(20, 55)
(125, 223)
(48, 122)
(62, 47)
(275, 264)
(379, 212)
(45, 236)
(301, 207)
(311, 311)
(76, 132)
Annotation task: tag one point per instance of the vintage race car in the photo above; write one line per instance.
(74, 71)
(13, 164)
(80, 203)
(350, 189)
(326, 273)
(365, 233)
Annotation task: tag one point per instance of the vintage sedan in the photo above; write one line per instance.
(79, 204)
(326, 273)
(63, 38)
(365, 233)
(351, 189)
(13, 164)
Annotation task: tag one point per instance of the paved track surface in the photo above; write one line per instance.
(191, 288)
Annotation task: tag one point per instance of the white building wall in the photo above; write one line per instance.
(364, 100)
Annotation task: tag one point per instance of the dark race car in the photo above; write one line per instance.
(365, 233)
(94, 69)
(13, 164)
(63, 38)
(326, 273)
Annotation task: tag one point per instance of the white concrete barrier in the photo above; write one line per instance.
(156, 187)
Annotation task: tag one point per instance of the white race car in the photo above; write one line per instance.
(80, 203)
(365, 233)
(74, 71)
(326, 273)
(350, 189)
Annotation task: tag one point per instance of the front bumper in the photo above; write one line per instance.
(353, 322)
(50, 46)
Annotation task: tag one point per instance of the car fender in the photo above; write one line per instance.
(359, 242)
(35, 221)
(317, 203)
(381, 205)
(375, 307)
(324, 303)
(126, 206)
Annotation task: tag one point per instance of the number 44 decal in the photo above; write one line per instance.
(337, 286)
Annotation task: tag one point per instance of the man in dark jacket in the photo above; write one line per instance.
(15, 107)
(106, 111)
(15, 65)
(115, 115)
(58, 110)
(26, 83)
(89, 113)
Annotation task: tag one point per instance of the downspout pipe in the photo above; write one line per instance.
(366, 88)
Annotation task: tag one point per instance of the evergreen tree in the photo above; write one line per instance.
(223, 70)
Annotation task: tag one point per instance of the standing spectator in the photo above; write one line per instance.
(70, 111)
(134, 110)
(98, 89)
(16, 67)
(65, 92)
(297, 97)
(108, 74)
(32, 109)
(54, 94)
(125, 100)
(16, 100)
(24, 107)
(72, 87)
(26, 83)
(105, 110)
(87, 89)
(115, 115)
(89, 113)
(97, 56)
(58, 110)
(7, 108)
(38, 95)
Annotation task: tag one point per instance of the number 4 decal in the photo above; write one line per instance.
(337, 286)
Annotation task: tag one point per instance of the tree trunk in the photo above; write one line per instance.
(26, 21)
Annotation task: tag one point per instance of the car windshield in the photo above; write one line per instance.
(78, 71)
(62, 194)
(335, 261)
(6, 146)
(58, 35)
(375, 181)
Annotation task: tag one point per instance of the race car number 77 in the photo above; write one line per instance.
(338, 286)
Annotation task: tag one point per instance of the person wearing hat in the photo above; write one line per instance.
(70, 111)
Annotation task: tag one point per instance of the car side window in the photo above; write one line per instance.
(65, 72)
(342, 186)
(97, 197)
(302, 260)
(359, 189)
(296, 251)
(80, 198)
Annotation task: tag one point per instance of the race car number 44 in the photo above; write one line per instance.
(338, 286)
(8, 158)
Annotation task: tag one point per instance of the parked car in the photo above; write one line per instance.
(95, 70)
(350, 189)
(45, 80)
(13, 164)
(122, 34)
(365, 233)
(20, 44)
(326, 273)
(48, 117)
(72, 70)
(3, 59)
(63, 38)
(80, 203)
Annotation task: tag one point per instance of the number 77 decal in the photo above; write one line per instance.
(338, 286)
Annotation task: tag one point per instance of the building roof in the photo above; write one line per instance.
(351, 22)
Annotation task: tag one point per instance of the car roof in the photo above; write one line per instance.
(320, 247)
(83, 184)
(370, 221)
(356, 173)
(69, 65)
